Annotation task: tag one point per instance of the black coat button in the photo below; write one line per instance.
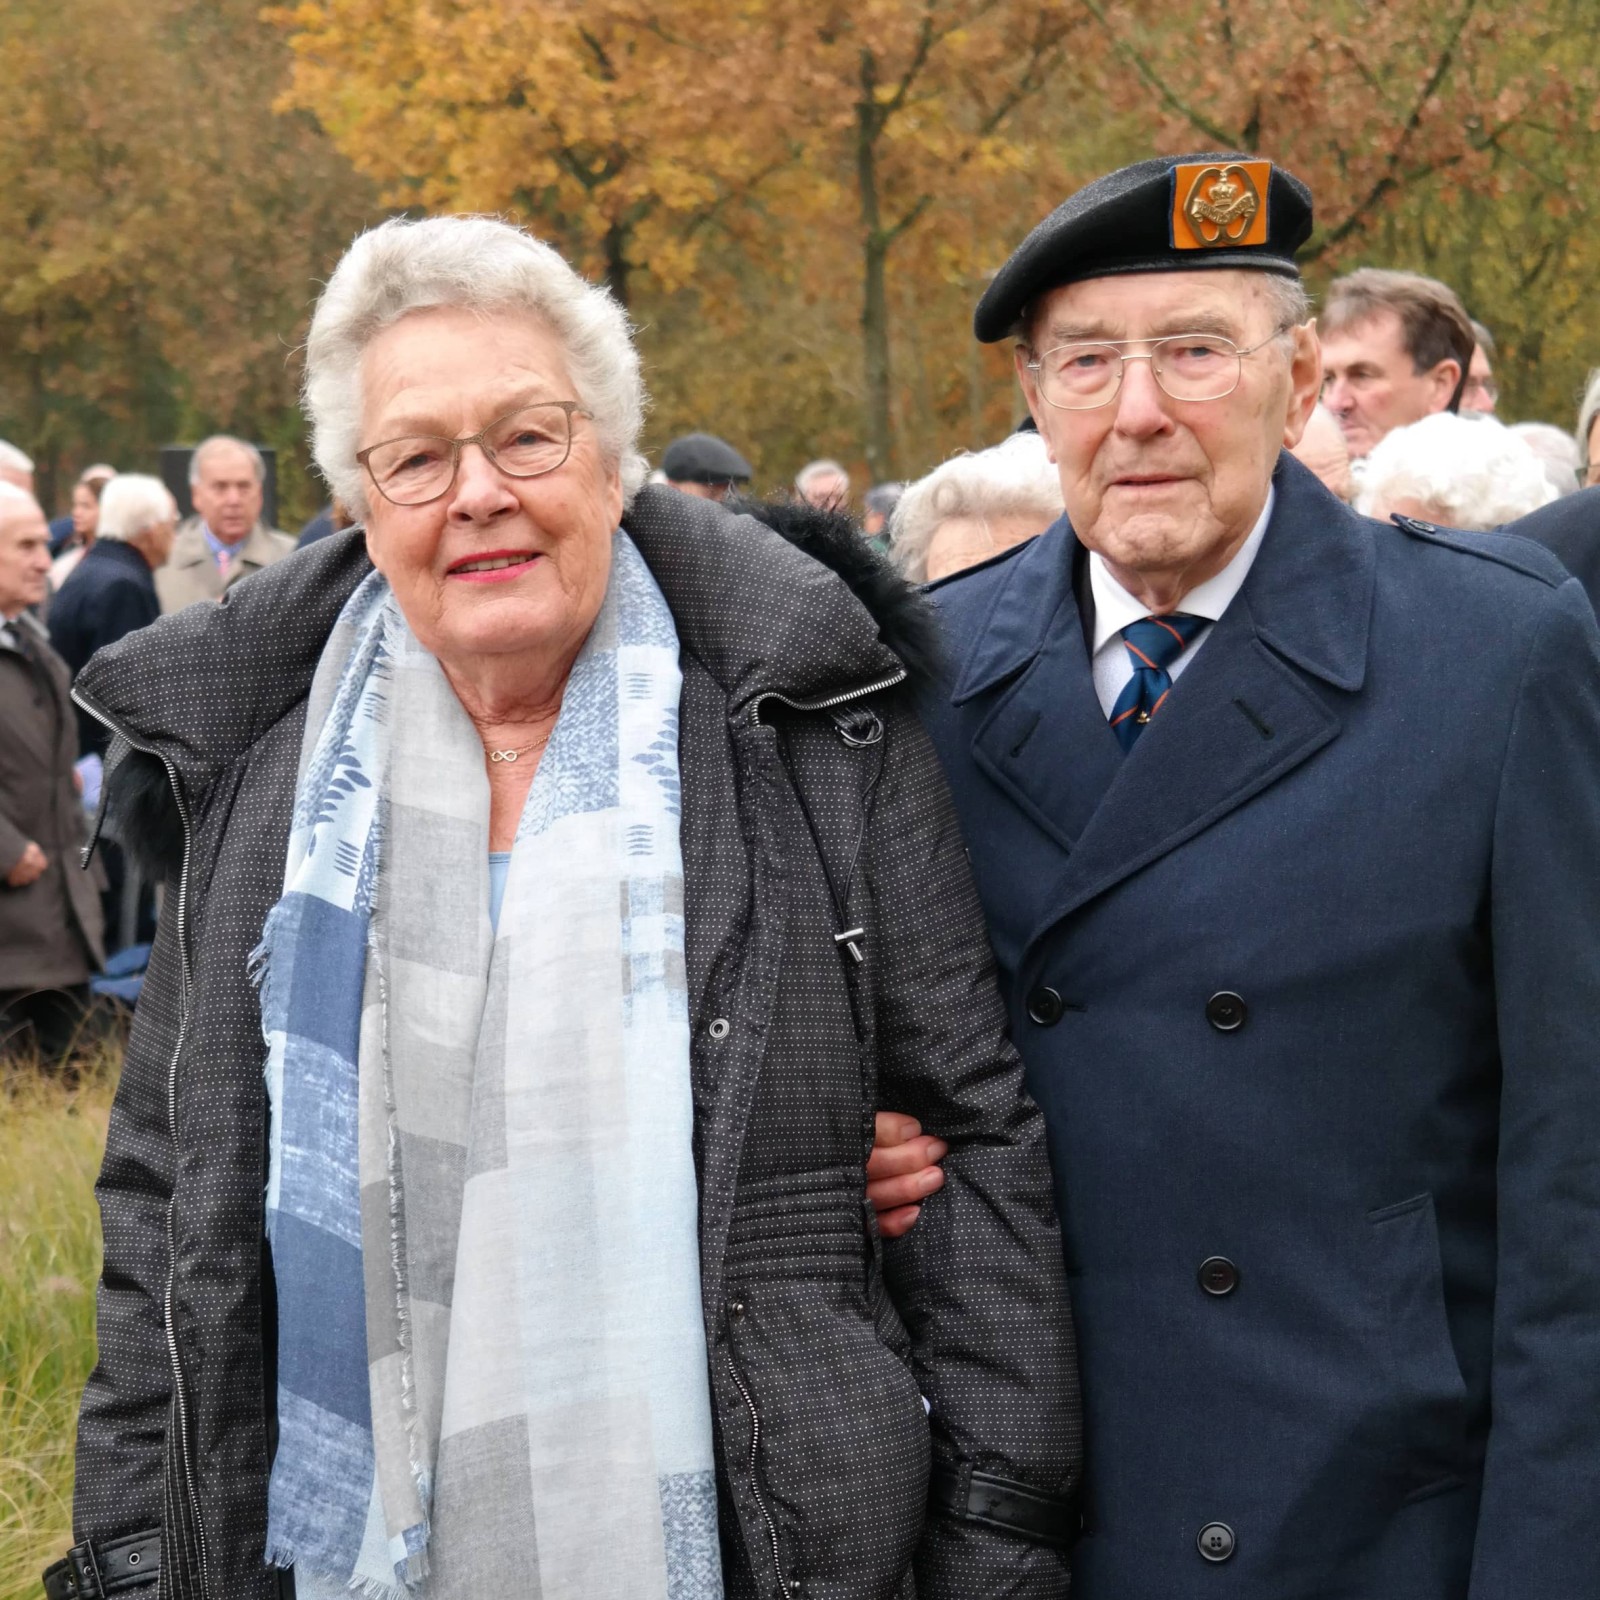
(1216, 1541)
(1218, 1275)
(1225, 1011)
(1045, 1007)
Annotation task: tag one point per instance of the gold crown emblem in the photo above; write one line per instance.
(1221, 205)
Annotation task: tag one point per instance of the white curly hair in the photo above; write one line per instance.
(478, 264)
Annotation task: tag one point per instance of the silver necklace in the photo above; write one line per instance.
(511, 755)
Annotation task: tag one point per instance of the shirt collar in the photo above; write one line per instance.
(1115, 608)
(218, 547)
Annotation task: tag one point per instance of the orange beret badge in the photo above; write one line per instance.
(1215, 207)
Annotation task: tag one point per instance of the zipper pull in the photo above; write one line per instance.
(848, 939)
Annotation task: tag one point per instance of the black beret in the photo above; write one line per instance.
(1169, 214)
(704, 458)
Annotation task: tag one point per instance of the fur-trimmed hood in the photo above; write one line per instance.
(773, 599)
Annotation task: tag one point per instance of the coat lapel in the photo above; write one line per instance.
(1046, 743)
(1248, 710)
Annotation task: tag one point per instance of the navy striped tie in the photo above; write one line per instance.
(1153, 644)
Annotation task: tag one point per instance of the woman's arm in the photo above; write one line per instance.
(978, 1281)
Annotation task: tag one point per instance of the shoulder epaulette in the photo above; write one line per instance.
(1512, 550)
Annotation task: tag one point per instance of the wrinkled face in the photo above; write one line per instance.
(85, 511)
(1371, 384)
(227, 493)
(497, 564)
(1480, 393)
(1164, 486)
(24, 556)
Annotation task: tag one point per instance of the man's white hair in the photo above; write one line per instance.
(813, 470)
(1469, 471)
(1011, 479)
(13, 459)
(478, 264)
(224, 441)
(12, 491)
(134, 503)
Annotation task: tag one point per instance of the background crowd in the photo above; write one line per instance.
(1407, 425)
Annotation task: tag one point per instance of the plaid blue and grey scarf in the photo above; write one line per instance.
(481, 1198)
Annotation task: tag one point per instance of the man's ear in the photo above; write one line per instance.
(1305, 382)
(1443, 382)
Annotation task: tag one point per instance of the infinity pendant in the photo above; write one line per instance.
(502, 755)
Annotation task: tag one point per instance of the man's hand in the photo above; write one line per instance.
(34, 862)
(902, 1171)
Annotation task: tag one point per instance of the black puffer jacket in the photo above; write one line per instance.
(812, 806)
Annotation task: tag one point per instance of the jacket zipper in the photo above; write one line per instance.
(755, 1481)
(831, 701)
(185, 984)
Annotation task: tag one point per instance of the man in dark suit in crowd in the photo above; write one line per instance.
(1287, 826)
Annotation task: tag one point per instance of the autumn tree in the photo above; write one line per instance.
(161, 231)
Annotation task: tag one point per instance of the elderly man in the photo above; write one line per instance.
(49, 910)
(823, 484)
(705, 466)
(1481, 392)
(1286, 824)
(1396, 347)
(16, 467)
(225, 539)
(112, 590)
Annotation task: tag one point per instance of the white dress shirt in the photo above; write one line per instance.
(1115, 608)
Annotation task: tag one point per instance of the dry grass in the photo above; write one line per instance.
(51, 1137)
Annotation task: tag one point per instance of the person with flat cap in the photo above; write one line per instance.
(703, 465)
(1287, 827)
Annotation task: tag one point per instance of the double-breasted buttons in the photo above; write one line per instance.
(1225, 1011)
(1218, 1275)
(1216, 1541)
(1045, 1006)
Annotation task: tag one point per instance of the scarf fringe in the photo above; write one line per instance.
(282, 1556)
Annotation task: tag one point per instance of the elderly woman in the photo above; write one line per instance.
(1463, 471)
(597, 879)
(974, 506)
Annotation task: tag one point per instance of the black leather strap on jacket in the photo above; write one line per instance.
(1004, 1503)
(90, 1571)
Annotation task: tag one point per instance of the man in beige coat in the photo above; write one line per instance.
(225, 538)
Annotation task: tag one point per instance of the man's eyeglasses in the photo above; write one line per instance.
(525, 443)
(1487, 387)
(1187, 366)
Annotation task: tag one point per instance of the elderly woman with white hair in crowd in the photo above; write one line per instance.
(973, 506)
(597, 880)
(1462, 471)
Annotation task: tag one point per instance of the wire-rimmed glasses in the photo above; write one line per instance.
(1187, 366)
(525, 443)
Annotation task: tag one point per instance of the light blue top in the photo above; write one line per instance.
(499, 866)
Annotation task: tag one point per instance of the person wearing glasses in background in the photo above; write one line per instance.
(1287, 827)
(1571, 526)
(595, 875)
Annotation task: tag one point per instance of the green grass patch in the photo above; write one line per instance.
(52, 1135)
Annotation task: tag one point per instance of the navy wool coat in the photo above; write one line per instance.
(1308, 987)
